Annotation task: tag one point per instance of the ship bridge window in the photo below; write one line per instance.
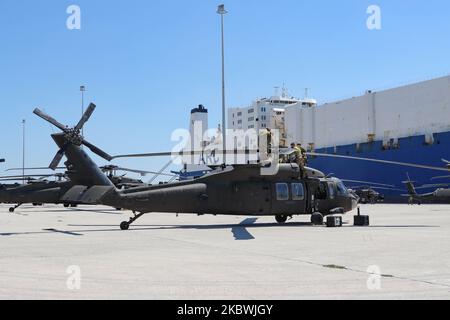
(298, 193)
(282, 191)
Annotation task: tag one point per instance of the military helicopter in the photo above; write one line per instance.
(440, 195)
(368, 194)
(228, 190)
(38, 191)
(35, 191)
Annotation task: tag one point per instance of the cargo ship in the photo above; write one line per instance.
(408, 124)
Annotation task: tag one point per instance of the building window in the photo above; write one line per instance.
(251, 111)
(239, 121)
(298, 193)
(251, 119)
(282, 191)
(239, 114)
(263, 125)
(263, 118)
(263, 109)
(251, 127)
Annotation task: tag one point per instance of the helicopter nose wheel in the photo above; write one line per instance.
(124, 226)
(317, 219)
(281, 218)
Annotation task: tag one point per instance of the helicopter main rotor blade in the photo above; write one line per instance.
(429, 186)
(440, 177)
(27, 176)
(35, 168)
(87, 114)
(405, 164)
(46, 117)
(369, 183)
(374, 187)
(143, 172)
(145, 155)
(182, 153)
(97, 151)
(446, 161)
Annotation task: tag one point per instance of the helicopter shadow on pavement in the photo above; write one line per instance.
(239, 231)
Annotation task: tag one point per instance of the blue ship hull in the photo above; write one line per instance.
(411, 150)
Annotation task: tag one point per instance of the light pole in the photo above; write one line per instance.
(221, 10)
(82, 90)
(23, 150)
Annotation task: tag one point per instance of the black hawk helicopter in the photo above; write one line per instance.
(440, 195)
(41, 191)
(230, 190)
(36, 190)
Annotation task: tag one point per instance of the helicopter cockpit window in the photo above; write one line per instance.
(341, 188)
(331, 190)
(282, 191)
(298, 193)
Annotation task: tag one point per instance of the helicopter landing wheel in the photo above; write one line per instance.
(125, 225)
(11, 209)
(317, 219)
(281, 218)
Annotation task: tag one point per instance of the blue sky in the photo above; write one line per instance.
(147, 63)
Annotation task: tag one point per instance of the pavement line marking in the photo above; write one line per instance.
(64, 232)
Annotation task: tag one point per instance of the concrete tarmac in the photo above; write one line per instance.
(55, 253)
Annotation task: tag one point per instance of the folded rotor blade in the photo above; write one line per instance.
(97, 151)
(46, 117)
(58, 157)
(87, 114)
(405, 164)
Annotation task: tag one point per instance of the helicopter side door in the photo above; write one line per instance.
(289, 198)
